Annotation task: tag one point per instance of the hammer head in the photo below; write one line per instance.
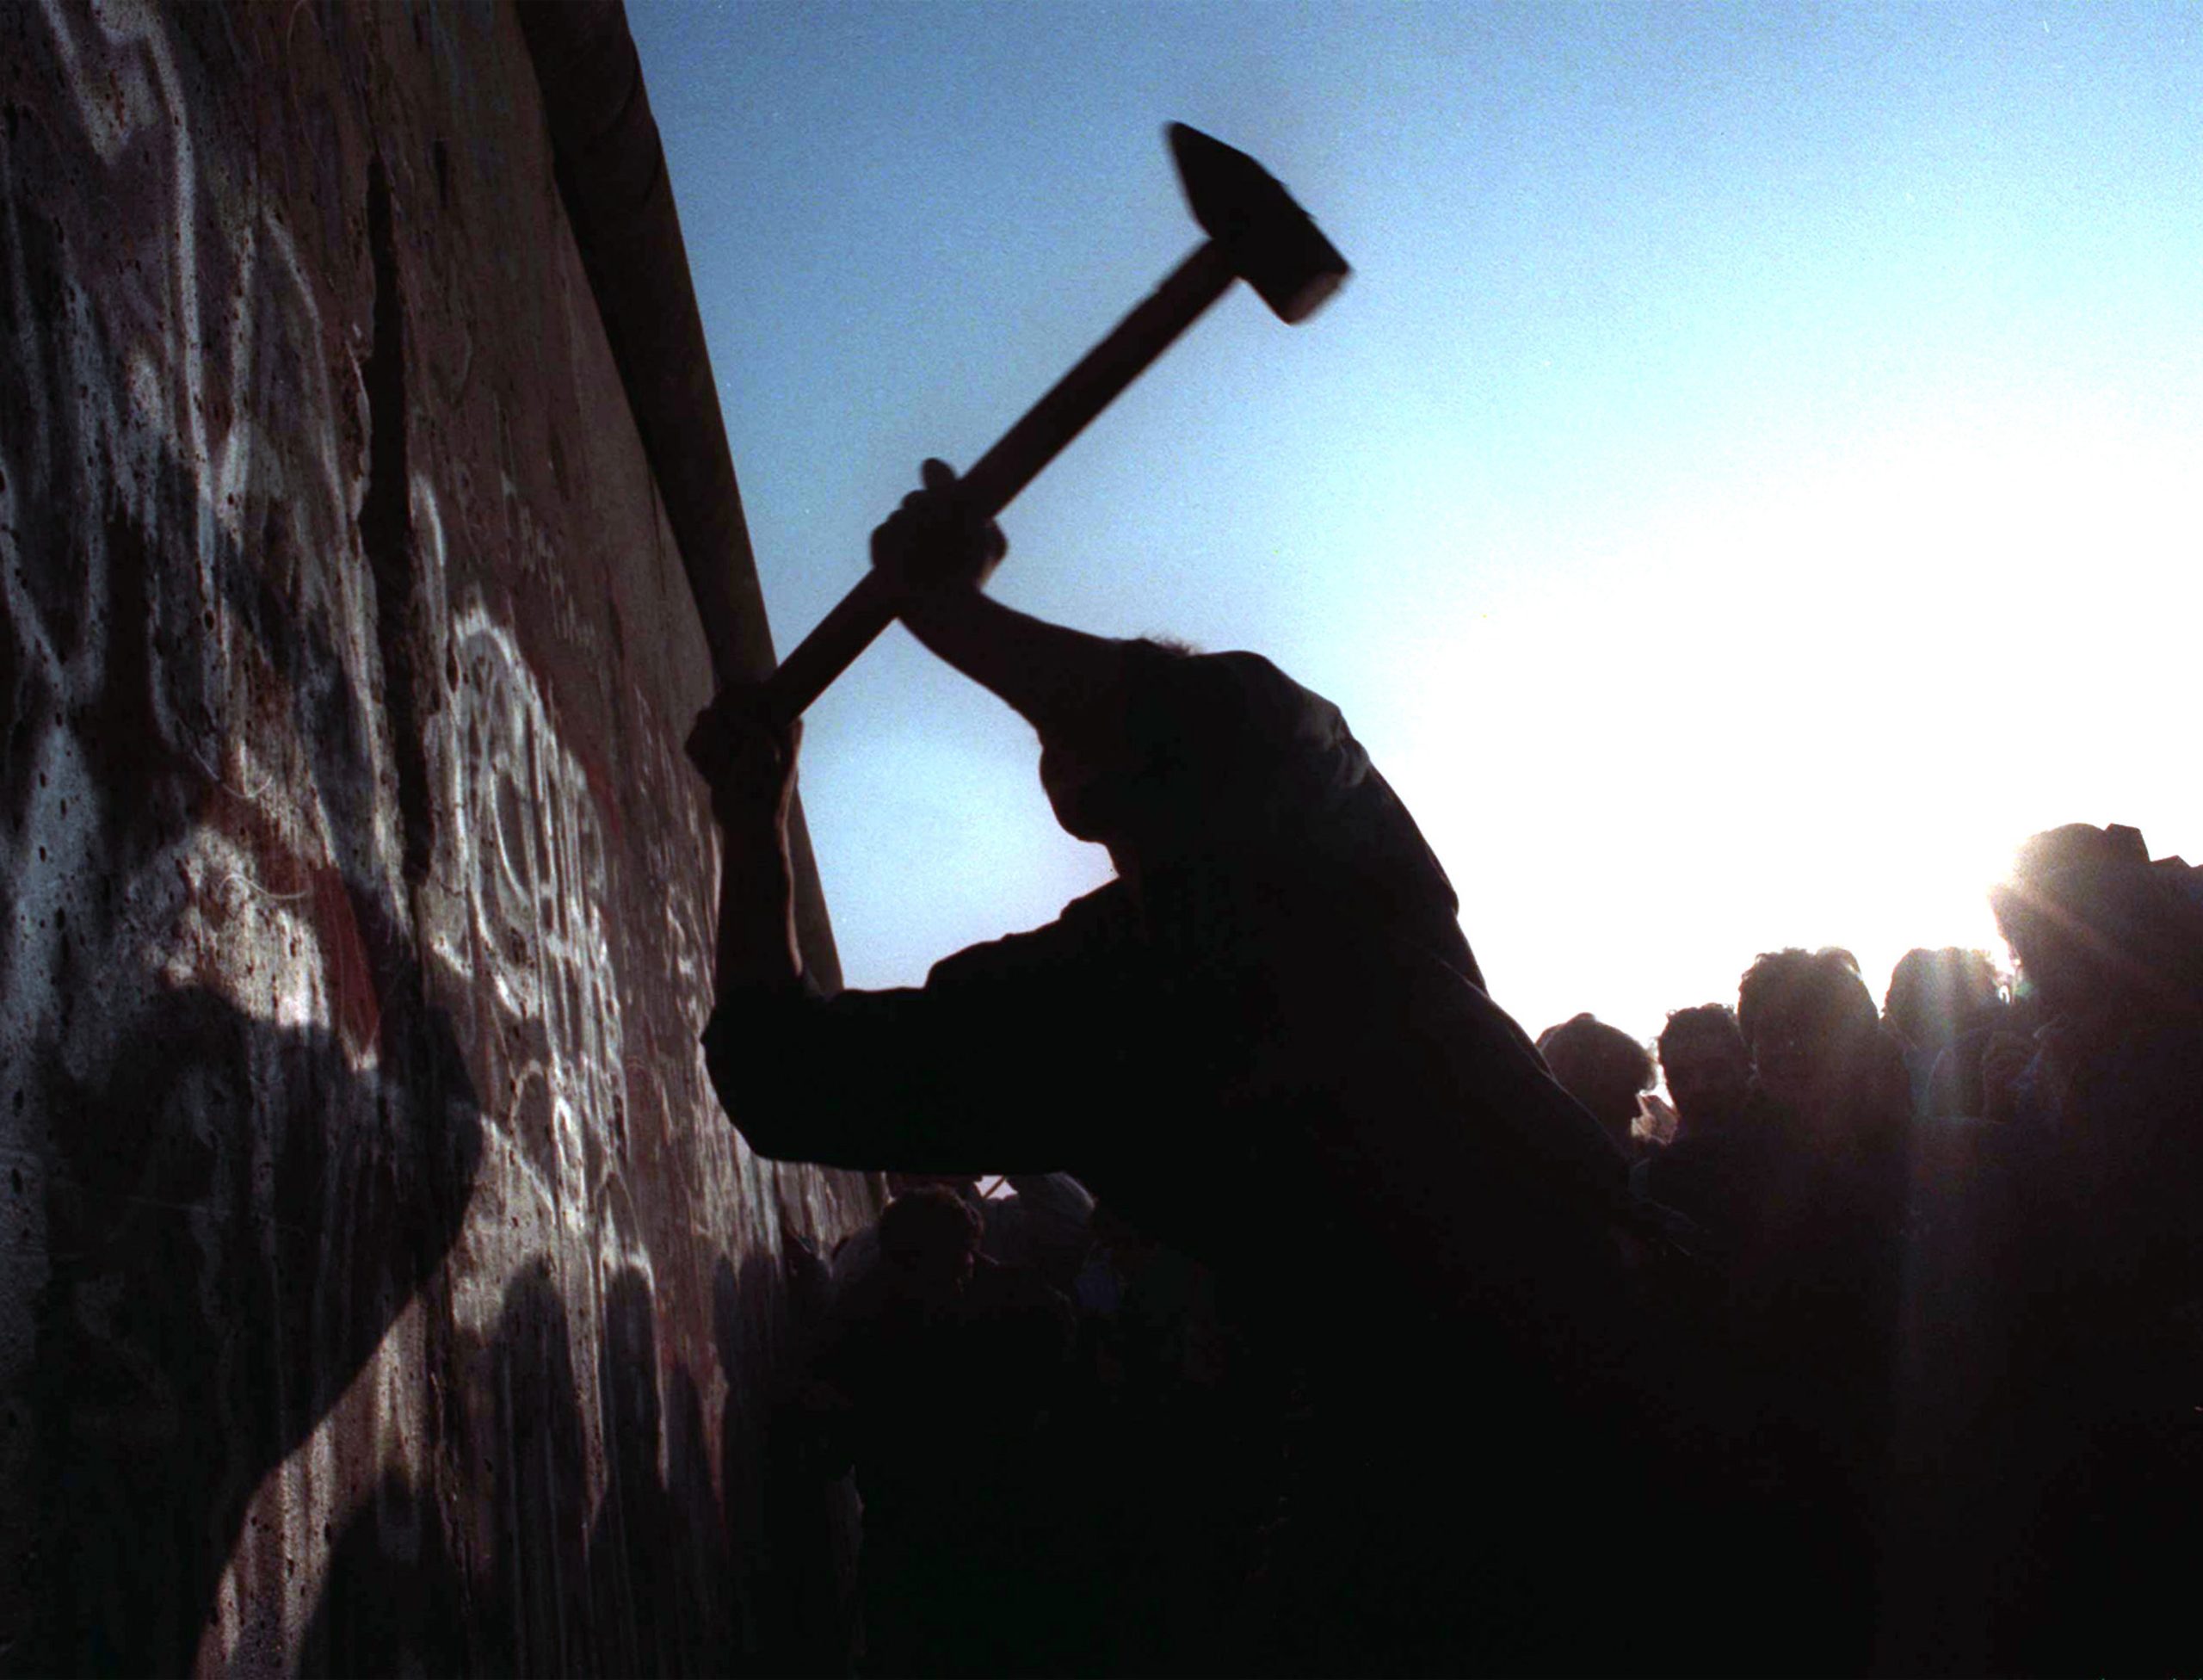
(1273, 244)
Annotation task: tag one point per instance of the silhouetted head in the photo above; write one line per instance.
(2092, 920)
(1708, 1070)
(1935, 995)
(1807, 1018)
(1219, 769)
(1105, 777)
(1600, 1066)
(1086, 777)
(929, 1243)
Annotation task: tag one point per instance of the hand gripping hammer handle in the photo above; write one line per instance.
(1013, 463)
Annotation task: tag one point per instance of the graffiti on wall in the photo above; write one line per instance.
(361, 1228)
(248, 1129)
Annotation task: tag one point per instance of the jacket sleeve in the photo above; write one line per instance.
(978, 1071)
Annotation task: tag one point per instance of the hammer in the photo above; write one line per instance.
(1256, 233)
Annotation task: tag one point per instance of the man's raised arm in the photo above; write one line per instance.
(1063, 681)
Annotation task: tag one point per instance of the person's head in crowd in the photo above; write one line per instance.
(1707, 1068)
(1809, 1021)
(2093, 921)
(1601, 1067)
(929, 1243)
(1935, 996)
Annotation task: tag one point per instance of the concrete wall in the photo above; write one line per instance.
(378, 1280)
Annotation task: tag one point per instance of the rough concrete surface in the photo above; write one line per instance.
(380, 1283)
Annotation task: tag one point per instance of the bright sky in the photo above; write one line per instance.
(1753, 479)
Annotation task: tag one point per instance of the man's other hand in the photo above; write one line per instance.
(747, 759)
(934, 542)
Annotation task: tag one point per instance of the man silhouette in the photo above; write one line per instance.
(1267, 1043)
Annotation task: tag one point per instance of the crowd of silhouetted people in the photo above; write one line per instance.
(1919, 1368)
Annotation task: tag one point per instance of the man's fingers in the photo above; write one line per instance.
(933, 540)
(936, 478)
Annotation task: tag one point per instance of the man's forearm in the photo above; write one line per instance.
(1058, 679)
(757, 933)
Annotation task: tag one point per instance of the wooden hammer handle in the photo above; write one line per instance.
(1013, 462)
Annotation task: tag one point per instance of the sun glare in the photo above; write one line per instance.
(1816, 709)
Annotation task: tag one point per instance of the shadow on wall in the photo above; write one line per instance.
(237, 1206)
(185, 1348)
(634, 1588)
(242, 1136)
(658, 1553)
(389, 1608)
(793, 1529)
